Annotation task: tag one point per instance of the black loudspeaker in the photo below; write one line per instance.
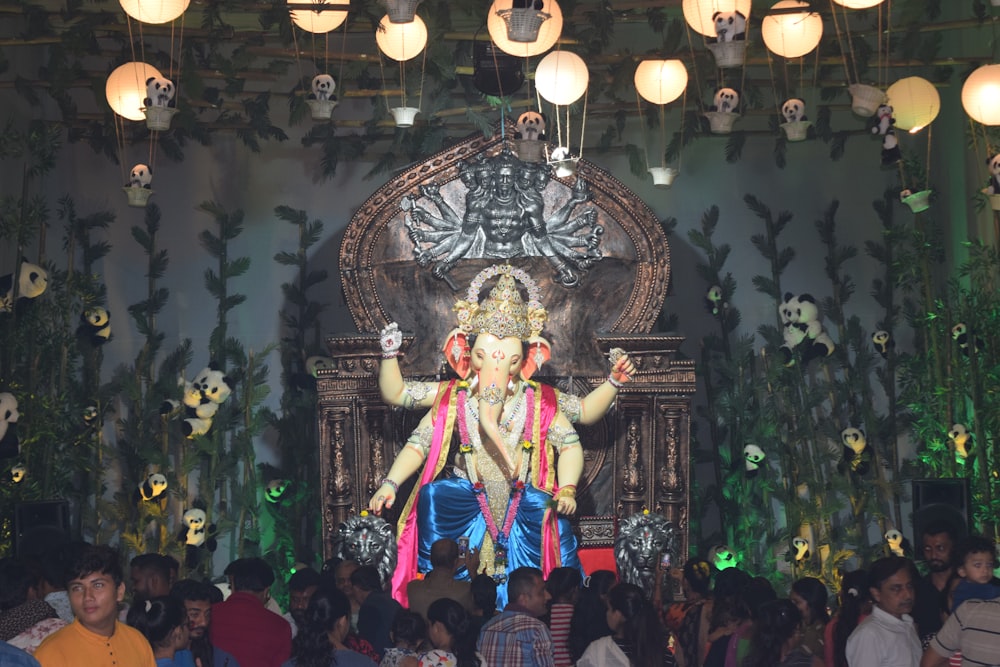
(40, 526)
(940, 500)
(495, 72)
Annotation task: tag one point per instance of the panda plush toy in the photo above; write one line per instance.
(196, 536)
(275, 489)
(141, 176)
(882, 340)
(721, 557)
(200, 400)
(994, 187)
(323, 86)
(794, 110)
(151, 488)
(530, 126)
(726, 100)
(18, 473)
(10, 446)
(804, 314)
(800, 549)
(159, 92)
(95, 326)
(729, 26)
(857, 454)
(31, 284)
(213, 384)
(792, 333)
(960, 334)
(959, 435)
(884, 127)
(753, 457)
(897, 545)
(90, 415)
(713, 300)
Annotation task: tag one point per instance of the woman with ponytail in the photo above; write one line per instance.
(855, 605)
(320, 641)
(637, 640)
(777, 638)
(163, 622)
(449, 629)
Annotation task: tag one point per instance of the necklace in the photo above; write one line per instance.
(514, 411)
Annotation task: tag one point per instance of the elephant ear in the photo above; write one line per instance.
(456, 351)
(539, 351)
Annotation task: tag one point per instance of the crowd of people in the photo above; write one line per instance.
(68, 608)
(887, 615)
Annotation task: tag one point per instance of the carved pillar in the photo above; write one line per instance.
(339, 482)
(672, 480)
(633, 478)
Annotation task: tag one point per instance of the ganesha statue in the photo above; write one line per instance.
(496, 454)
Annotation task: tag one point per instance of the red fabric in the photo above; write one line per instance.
(255, 636)
(593, 560)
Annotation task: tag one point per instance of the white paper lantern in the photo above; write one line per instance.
(790, 33)
(859, 4)
(661, 81)
(320, 22)
(548, 34)
(698, 13)
(401, 41)
(154, 11)
(981, 95)
(126, 89)
(915, 103)
(561, 77)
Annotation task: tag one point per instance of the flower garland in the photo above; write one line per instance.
(498, 535)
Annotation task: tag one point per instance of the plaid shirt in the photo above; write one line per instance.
(515, 638)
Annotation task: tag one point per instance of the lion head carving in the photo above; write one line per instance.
(368, 540)
(642, 538)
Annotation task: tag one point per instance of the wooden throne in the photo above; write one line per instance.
(603, 271)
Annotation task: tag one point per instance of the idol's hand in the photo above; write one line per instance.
(390, 339)
(566, 506)
(383, 498)
(622, 368)
(566, 499)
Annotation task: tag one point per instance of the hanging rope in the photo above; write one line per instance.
(298, 57)
(642, 126)
(423, 71)
(680, 146)
(694, 66)
(583, 122)
(774, 85)
(840, 43)
(930, 136)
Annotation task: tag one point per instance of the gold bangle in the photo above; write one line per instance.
(568, 491)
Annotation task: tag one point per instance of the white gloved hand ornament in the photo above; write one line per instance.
(390, 339)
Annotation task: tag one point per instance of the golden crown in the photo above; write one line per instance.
(503, 312)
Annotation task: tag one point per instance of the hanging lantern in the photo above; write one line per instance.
(548, 32)
(322, 21)
(561, 77)
(915, 103)
(981, 95)
(401, 11)
(792, 29)
(126, 89)
(700, 14)
(859, 4)
(661, 81)
(154, 11)
(401, 41)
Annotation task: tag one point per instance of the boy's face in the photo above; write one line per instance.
(977, 568)
(94, 599)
